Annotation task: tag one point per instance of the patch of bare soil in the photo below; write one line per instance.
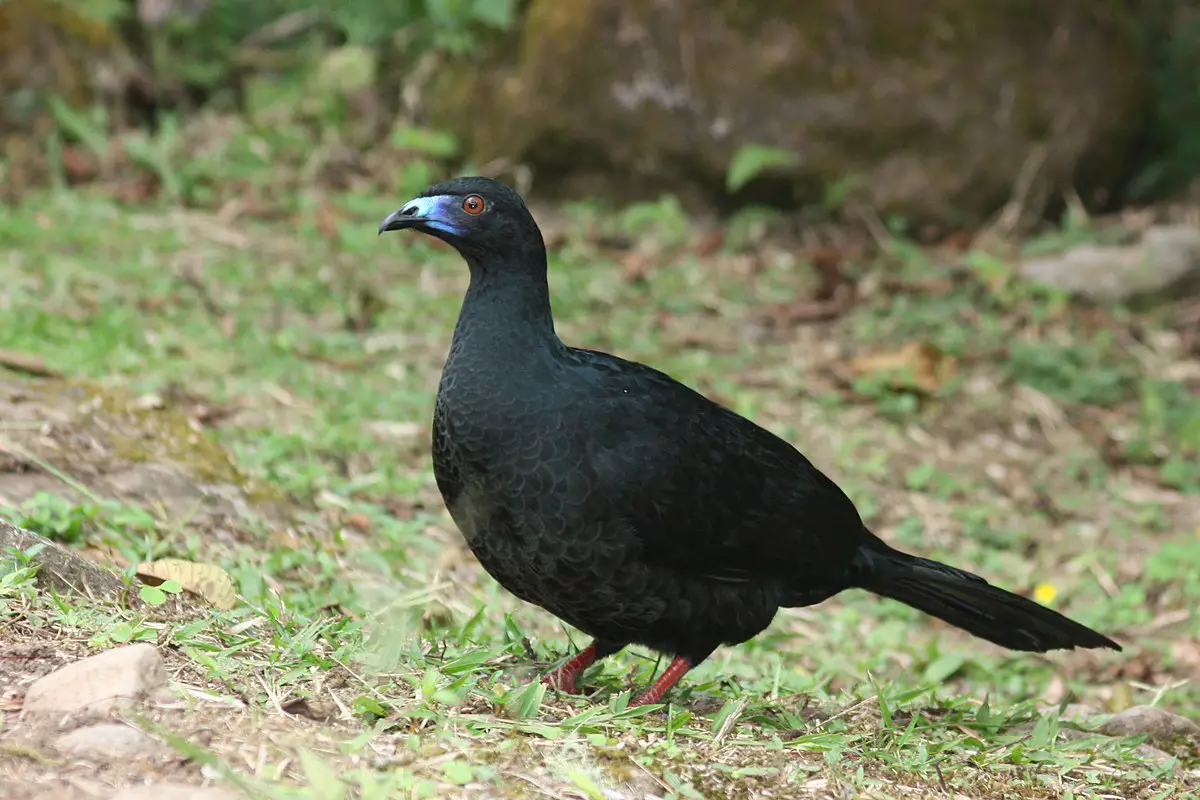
(51, 755)
(77, 441)
(68, 439)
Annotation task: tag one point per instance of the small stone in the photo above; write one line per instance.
(1151, 753)
(174, 791)
(112, 679)
(1158, 725)
(110, 741)
(1165, 263)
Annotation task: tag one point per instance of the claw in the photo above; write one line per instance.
(563, 678)
(677, 669)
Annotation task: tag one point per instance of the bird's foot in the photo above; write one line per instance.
(676, 670)
(561, 681)
(563, 678)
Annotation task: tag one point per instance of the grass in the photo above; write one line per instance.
(369, 656)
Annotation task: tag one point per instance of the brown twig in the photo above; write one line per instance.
(1019, 203)
(27, 364)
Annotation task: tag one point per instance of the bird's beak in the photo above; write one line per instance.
(423, 213)
(402, 218)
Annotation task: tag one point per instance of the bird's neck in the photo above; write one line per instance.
(507, 306)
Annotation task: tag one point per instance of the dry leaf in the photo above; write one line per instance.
(79, 165)
(917, 365)
(312, 709)
(710, 243)
(786, 315)
(326, 220)
(205, 580)
(1185, 653)
(635, 265)
(28, 364)
(828, 262)
(359, 522)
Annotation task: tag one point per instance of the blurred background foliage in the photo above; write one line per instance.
(75, 76)
(1171, 31)
(132, 91)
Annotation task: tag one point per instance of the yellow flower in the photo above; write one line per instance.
(1044, 593)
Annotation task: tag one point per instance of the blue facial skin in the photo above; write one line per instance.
(435, 213)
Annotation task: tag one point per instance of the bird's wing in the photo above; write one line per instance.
(708, 491)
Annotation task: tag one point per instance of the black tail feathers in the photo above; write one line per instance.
(969, 602)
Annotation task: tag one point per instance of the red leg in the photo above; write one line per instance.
(563, 678)
(669, 678)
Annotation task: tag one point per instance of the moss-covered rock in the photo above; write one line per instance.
(134, 448)
(932, 105)
(50, 48)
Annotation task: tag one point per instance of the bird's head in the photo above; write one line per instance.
(481, 218)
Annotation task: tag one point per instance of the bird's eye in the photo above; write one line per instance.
(473, 205)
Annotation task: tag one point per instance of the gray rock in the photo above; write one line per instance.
(927, 109)
(1158, 725)
(108, 741)
(1165, 261)
(1144, 750)
(112, 679)
(60, 568)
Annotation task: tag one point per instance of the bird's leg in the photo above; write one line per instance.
(563, 678)
(669, 678)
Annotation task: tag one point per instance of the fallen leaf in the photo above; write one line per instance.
(634, 267)
(303, 707)
(937, 286)
(917, 365)
(326, 220)
(359, 522)
(78, 165)
(207, 581)
(958, 241)
(1186, 653)
(709, 243)
(398, 508)
(827, 262)
(28, 364)
(786, 315)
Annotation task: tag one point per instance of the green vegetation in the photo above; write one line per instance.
(230, 368)
(372, 658)
(168, 58)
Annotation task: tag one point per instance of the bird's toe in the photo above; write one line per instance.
(561, 680)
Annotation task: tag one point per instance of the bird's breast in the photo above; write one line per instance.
(484, 448)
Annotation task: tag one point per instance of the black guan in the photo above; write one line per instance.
(629, 505)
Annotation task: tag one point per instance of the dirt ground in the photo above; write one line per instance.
(133, 450)
(1007, 454)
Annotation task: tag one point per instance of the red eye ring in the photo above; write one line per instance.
(473, 205)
